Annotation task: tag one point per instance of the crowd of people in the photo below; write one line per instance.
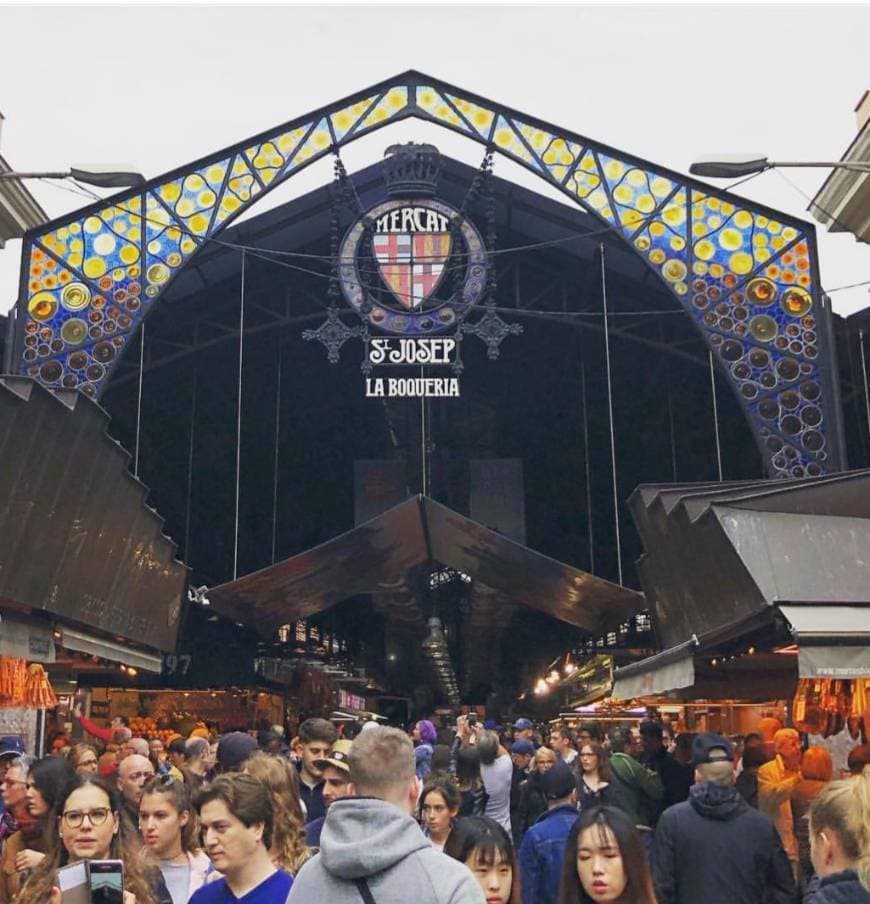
(444, 815)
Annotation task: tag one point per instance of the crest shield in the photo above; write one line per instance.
(412, 264)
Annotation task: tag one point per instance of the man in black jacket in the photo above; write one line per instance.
(714, 848)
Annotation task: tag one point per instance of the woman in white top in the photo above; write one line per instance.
(169, 829)
(439, 805)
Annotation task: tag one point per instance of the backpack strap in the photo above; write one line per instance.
(364, 890)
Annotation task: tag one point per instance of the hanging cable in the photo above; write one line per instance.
(239, 419)
(715, 414)
(589, 528)
(190, 467)
(275, 469)
(610, 416)
(139, 398)
(864, 371)
(423, 435)
(673, 438)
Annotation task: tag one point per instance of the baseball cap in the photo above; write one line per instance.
(233, 749)
(707, 742)
(522, 747)
(11, 745)
(337, 757)
(559, 782)
(523, 724)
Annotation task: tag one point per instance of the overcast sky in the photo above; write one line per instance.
(161, 86)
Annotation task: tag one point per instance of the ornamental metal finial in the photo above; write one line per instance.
(411, 169)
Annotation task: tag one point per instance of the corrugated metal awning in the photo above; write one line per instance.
(371, 559)
(669, 670)
(76, 536)
(106, 649)
(832, 640)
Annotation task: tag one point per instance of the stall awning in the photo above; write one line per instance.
(77, 539)
(383, 553)
(106, 649)
(669, 670)
(832, 640)
(719, 554)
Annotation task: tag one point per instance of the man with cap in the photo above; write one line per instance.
(714, 847)
(233, 749)
(524, 730)
(543, 848)
(521, 753)
(336, 781)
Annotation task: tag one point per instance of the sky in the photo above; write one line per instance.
(160, 86)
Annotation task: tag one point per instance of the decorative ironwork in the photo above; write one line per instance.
(411, 170)
(492, 330)
(333, 333)
(748, 276)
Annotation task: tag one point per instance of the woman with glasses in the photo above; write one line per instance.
(170, 830)
(532, 801)
(88, 827)
(594, 778)
(84, 759)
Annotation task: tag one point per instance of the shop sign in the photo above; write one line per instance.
(177, 664)
(412, 269)
(351, 702)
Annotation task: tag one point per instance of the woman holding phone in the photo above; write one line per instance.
(88, 828)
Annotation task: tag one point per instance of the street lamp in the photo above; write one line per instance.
(733, 166)
(101, 176)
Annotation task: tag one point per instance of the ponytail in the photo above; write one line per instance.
(844, 809)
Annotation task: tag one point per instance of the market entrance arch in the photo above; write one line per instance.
(746, 275)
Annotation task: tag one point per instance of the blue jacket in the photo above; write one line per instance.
(542, 853)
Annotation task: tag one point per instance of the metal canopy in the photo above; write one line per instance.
(719, 554)
(746, 276)
(377, 556)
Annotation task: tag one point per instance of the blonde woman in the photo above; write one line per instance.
(288, 850)
(840, 843)
(533, 803)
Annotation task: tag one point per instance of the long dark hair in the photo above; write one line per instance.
(37, 889)
(468, 768)
(638, 888)
(605, 773)
(488, 843)
(51, 777)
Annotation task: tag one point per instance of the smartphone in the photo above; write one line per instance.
(472, 719)
(72, 881)
(106, 881)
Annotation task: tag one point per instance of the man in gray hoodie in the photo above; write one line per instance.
(371, 849)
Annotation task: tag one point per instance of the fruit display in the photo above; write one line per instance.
(165, 726)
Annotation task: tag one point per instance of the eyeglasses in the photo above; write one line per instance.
(588, 754)
(96, 817)
(12, 781)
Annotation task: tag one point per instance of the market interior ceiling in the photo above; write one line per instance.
(305, 422)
